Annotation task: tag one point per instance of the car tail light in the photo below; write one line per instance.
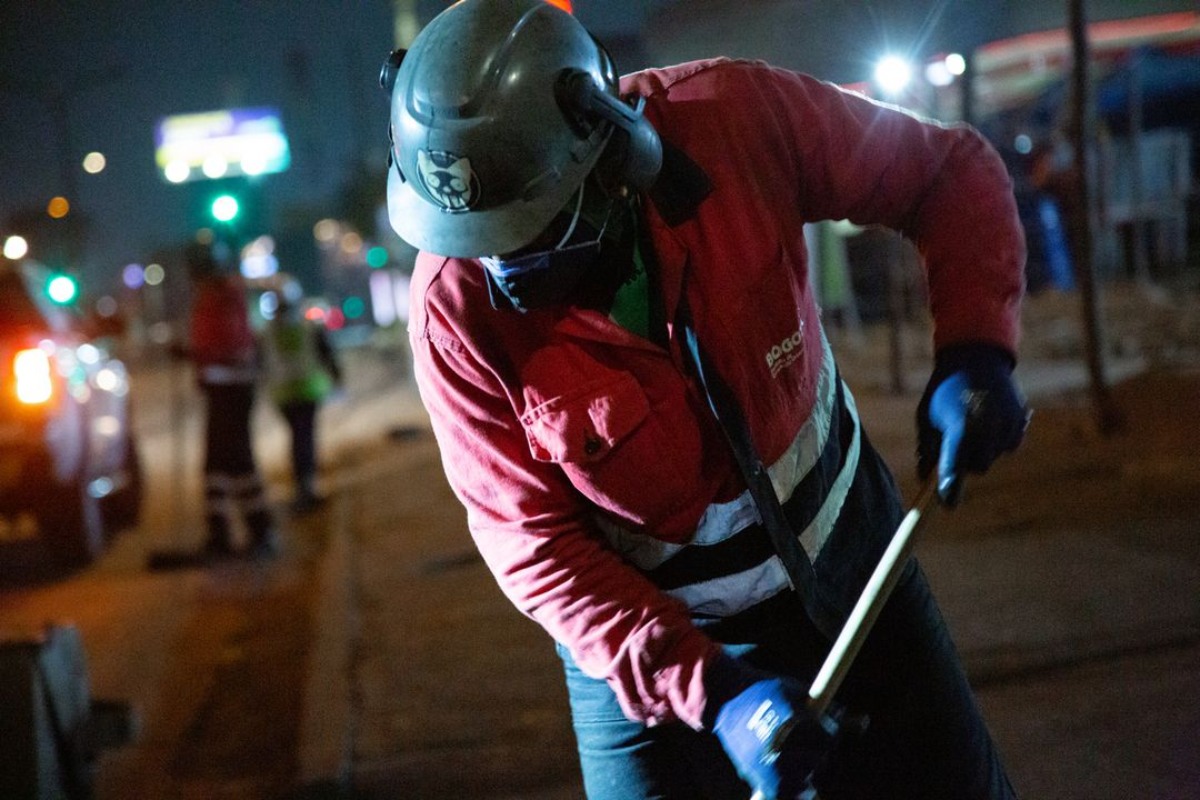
(33, 373)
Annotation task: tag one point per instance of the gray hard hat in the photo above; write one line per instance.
(484, 153)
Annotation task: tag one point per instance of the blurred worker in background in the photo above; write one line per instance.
(224, 351)
(302, 370)
(603, 266)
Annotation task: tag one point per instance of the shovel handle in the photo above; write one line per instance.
(866, 610)
(874, 595)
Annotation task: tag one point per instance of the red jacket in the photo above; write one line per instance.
(558, 428)
(223, 344)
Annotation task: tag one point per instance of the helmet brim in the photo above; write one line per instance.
(474, 233)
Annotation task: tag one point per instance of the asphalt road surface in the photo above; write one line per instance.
(377, 659)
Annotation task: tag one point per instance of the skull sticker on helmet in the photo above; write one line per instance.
(448, 179)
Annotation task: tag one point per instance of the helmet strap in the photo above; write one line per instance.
(574, 217)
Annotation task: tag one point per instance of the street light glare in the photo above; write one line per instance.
(956, 64)
(893, 74)
(15, 247)
(94, 162)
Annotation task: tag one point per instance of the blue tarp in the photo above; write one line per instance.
(1170, 86)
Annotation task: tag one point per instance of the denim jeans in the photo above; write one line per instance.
(925, 740)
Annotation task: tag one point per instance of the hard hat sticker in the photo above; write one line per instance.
(448, 179)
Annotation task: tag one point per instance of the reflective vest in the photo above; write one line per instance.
(295, 372)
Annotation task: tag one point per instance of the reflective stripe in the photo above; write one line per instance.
(736, 524)
(226, 483)
(727, 595)
(721, 520)
(815, 535)
(224, 374)
(732, 594)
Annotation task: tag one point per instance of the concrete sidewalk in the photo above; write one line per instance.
(1070, 579)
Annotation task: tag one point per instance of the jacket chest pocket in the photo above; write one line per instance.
(631, 456)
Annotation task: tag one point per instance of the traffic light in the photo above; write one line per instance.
(62, 289)
(225, 208)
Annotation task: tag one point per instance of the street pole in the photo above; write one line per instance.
(1109, 418)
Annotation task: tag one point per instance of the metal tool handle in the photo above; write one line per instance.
(870, 603)
(866, 610)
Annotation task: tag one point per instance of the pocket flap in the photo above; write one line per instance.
(586, 425)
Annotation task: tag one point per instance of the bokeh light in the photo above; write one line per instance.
(177, 171)
(214, 167)
(377, 257)
(353, 307)
(15, 247)
(154, 274)
(225, 208)
(351, 243)
(58, 207)
(133, 276)
(325, 230)
(94, 162)
(62, 288)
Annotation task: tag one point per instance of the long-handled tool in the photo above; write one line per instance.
(887, 572)
(866, 610)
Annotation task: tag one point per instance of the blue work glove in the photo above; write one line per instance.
(970, 414)
(762, 721)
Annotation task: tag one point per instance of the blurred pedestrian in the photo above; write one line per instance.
(224, 351)
(615, 336)
(302, 370)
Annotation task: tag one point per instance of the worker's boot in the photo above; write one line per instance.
(219, 544)
(264, 538)
(306, 498)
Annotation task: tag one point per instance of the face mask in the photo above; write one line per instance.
(546, 278)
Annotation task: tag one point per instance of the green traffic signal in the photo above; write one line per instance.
(225, 208)
(62, 289)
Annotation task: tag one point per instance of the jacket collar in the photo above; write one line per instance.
(674, 199)
(680, 187)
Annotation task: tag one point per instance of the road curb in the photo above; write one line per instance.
(325, 751)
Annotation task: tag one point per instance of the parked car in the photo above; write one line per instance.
(69, 467)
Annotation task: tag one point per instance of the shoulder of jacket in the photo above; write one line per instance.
(661, 79)
(438, 304)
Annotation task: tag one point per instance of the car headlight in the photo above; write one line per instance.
(34, 379)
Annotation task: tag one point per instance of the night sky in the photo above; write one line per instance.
(123, 64)
(116, 67)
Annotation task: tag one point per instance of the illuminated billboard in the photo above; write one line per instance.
(221, 144)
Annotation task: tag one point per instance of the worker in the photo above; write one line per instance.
(302, 371)
(223, 350)
(614, 334)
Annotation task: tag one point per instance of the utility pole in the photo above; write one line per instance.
(1109, 418)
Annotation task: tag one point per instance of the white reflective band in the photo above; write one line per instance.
(722, 520)
(814, 536)
(225, 483)
(224, 374)
(731, 594)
